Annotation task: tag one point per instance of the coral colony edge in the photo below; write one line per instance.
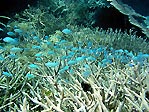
(54, 58)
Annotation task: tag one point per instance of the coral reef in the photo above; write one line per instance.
(49, 62)
(77, 71)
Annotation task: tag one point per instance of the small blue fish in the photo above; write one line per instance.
(7, 74)
(9, 40)
(72, 62)
(38, 54)
(78, 59)
(36, 47)
(52, 64)
(18, 31)
(33, 66)
(50, 52)
(39, 59)
(46, 37)
(12, 56)
(90, 58)
(16, 49)
(86, 74)
(36, 38)
(30, 76)
(66, 31)
(11, 33)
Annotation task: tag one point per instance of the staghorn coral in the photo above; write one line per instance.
(50, 67)
(83, 71)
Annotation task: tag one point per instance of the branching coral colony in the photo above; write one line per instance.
(75, 69)
(72, 70)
